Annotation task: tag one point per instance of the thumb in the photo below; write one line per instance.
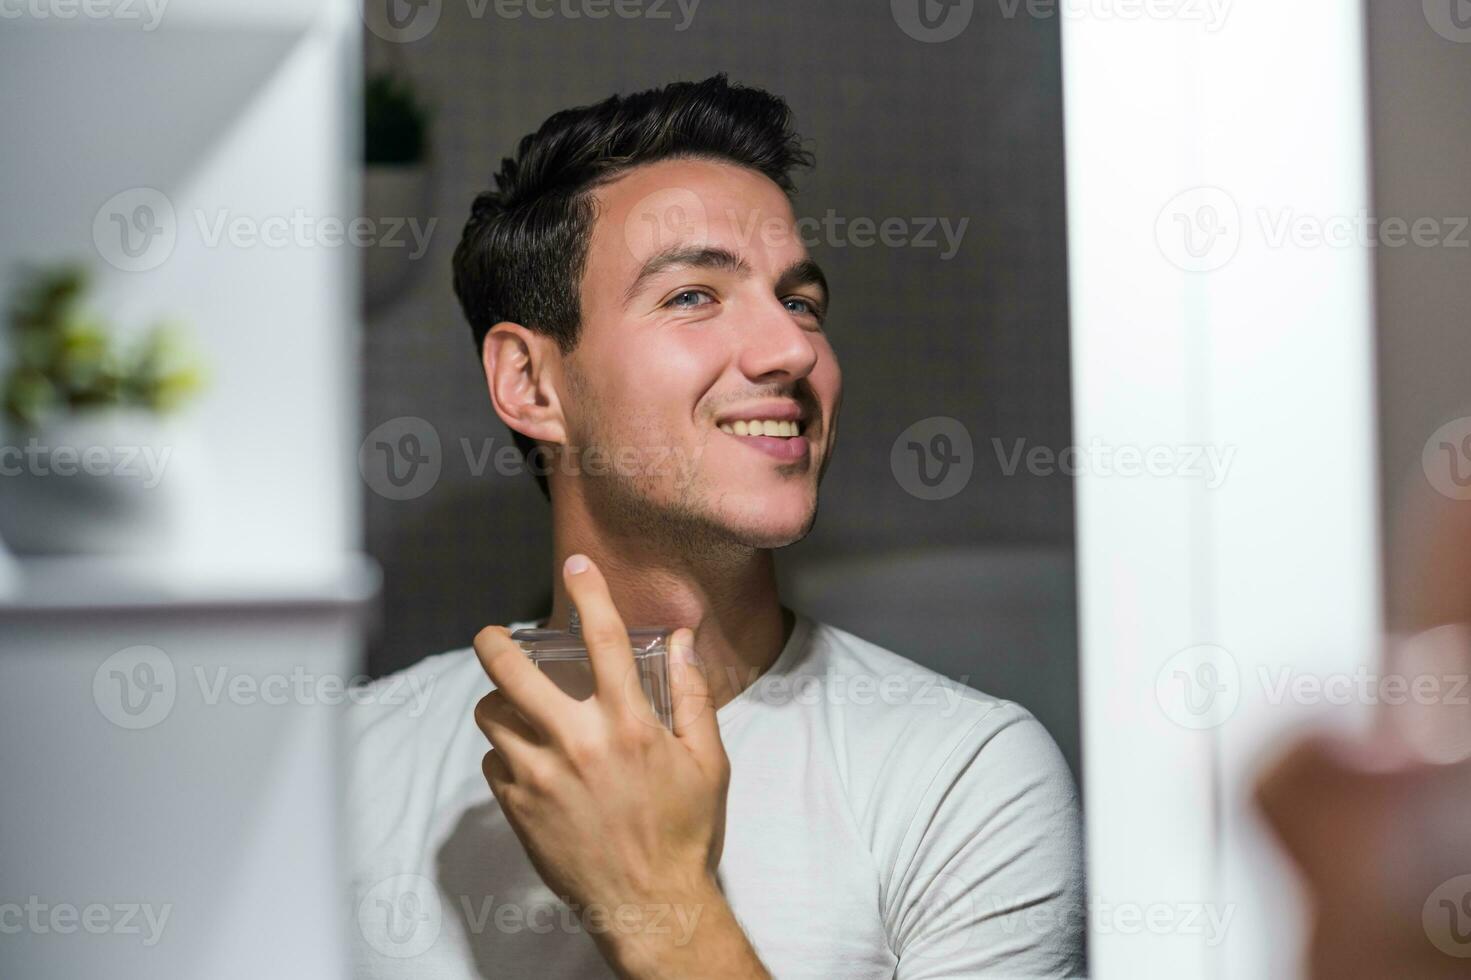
(689, 691)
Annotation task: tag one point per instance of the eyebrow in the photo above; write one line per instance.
(803, 272)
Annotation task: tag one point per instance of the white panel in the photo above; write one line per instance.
(1148, 780)
(1189, 141)
(256, 123)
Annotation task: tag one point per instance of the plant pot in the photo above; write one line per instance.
(102, 482)
(396, 202)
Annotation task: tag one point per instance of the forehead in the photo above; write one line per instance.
(691, 202)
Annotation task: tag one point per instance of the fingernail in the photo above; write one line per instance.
(576, 564)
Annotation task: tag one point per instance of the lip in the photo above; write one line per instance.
(789, 450)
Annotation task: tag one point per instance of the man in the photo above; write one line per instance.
(641, 299)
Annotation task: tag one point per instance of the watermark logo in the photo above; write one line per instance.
(1199, 687)
(135, 230)
(945, 898)
(1447, 917)
(401, 916)
(1451, 19)
(401, 21)
(933, 459)
(1199, 230)
(135, 688)
(664, 219)
(401, 459)
(1446, 459)
(932, 21)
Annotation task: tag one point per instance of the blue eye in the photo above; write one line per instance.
(683, 300)
(801, 305)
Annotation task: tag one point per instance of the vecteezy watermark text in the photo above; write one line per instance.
(1211, 13)
(144, 463)
(403, 458)
(1101, 460)
(150, 12)
(40, 918)
(402, 916)
(1200, 687)
(137, 688)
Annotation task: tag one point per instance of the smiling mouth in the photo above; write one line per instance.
(785, 443)
(773, 428)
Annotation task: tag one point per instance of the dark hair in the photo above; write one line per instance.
(523, 251)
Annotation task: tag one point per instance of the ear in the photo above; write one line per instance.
(519, 371)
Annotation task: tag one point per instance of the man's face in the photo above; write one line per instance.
(700, 307)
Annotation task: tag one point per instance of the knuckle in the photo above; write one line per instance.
(585, 751)
(536, 779)
(634, 733)
(610, 634)
(490, 765)
(489, 708)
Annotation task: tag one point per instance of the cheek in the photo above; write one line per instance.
(827, 379)
(657, 398)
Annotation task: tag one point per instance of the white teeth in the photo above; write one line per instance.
(762, 427)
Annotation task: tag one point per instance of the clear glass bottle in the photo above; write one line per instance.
(562, 655)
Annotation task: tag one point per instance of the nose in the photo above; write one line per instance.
(777, 345)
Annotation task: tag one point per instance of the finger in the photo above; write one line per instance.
(499, 720)
(497, 772)
(539, 700)
(689, 690)
(602, 628)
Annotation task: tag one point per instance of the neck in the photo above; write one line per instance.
(729, 599)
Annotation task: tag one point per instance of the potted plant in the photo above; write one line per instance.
(85, 462)
(396, 184)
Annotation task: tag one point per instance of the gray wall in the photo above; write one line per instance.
(968, 128)
(1421, 141)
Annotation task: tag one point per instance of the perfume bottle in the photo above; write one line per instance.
(562, 656)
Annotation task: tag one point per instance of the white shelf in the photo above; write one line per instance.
(167, 16)
(106, 583)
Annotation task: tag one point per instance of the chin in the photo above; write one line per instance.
(774, 527)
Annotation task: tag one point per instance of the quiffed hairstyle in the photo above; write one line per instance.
(523, 251)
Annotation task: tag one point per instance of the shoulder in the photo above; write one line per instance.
(905, 711)
(411, 746)
(957, 791)
(416, 699)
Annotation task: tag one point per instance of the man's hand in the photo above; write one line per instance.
(617, 814)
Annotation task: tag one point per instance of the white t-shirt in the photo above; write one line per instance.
(882, 821)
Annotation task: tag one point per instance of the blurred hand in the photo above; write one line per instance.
(1380, 840)
(1380, 828)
